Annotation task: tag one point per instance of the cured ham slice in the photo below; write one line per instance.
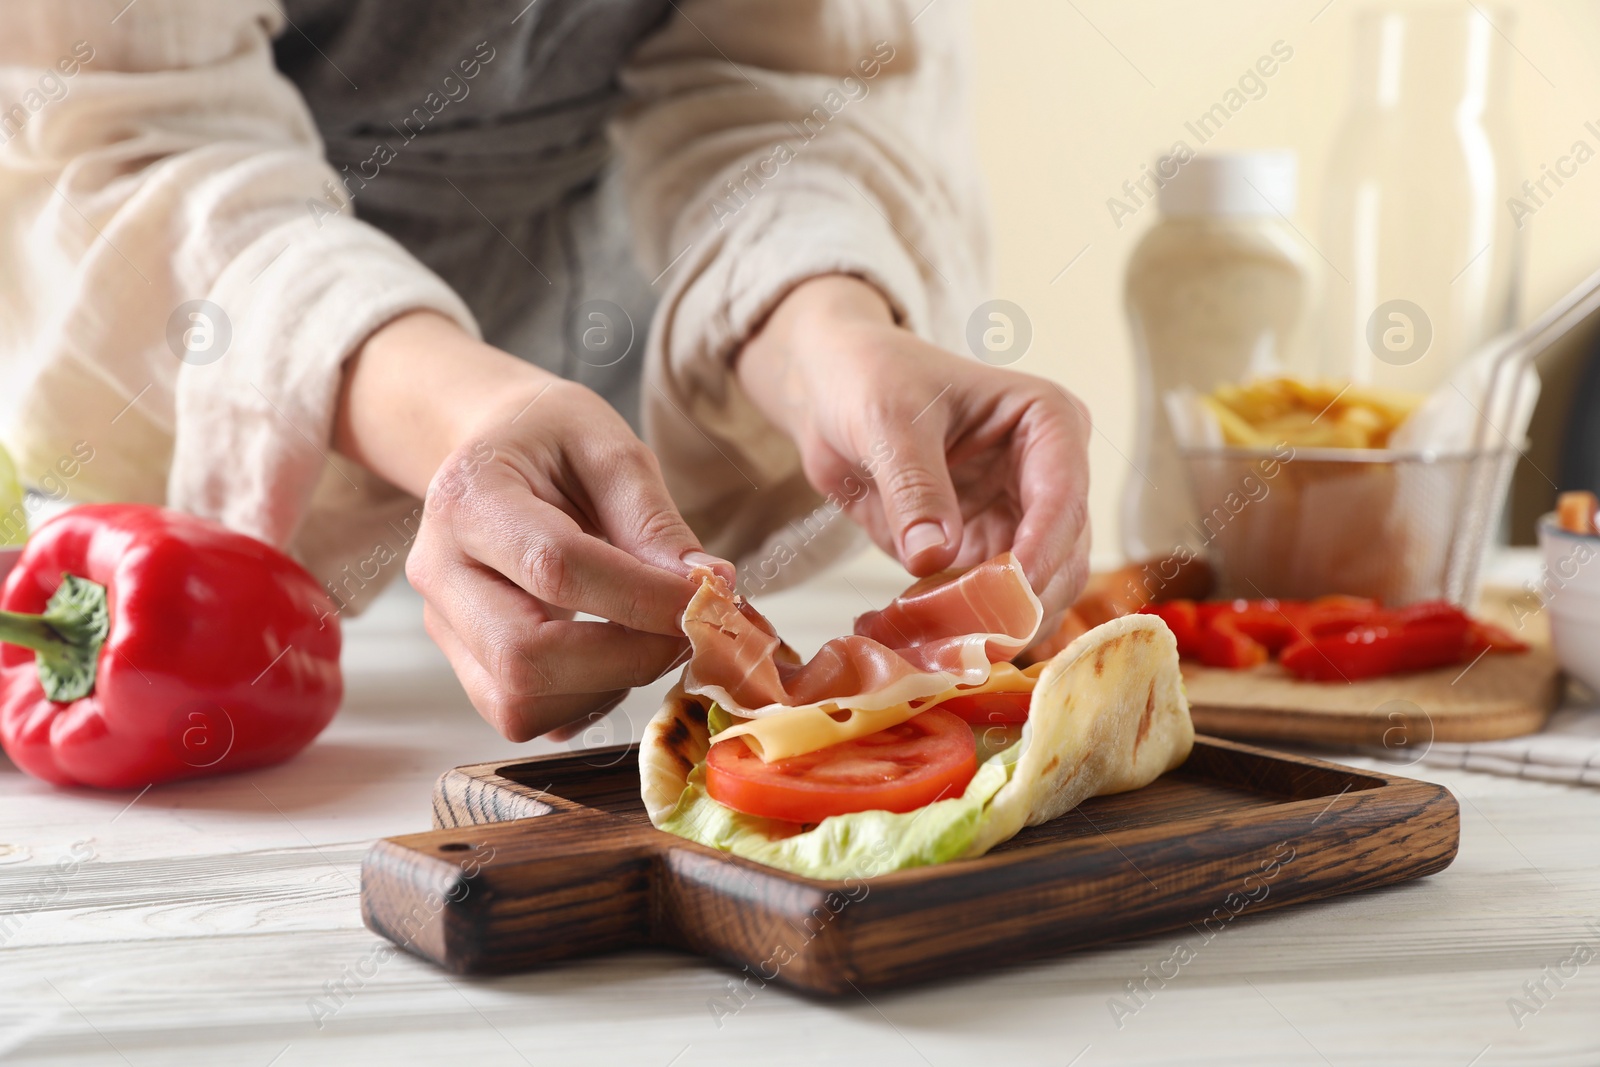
(942, 632)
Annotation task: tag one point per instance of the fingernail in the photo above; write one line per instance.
(921, 537)
(696, 558)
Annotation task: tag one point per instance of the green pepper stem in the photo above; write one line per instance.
(33, 631)
(66, 638)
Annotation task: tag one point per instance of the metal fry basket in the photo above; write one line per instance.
(1396, 526)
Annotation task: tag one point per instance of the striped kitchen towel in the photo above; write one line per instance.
(1566, 750)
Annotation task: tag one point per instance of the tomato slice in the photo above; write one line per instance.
(987, 709)
(930, 757)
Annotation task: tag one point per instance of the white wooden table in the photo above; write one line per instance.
(218, 924)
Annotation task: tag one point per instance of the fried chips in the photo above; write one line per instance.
(1265, 412)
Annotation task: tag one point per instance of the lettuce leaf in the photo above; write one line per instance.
(718, 720)
(858, 845)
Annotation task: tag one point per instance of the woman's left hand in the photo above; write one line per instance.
(965, 460)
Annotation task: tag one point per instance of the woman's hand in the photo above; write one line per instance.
(540, 503)
(968, 460)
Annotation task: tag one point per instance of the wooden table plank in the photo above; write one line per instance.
(217, 916)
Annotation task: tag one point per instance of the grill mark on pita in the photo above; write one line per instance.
(1113, 645)
(1055, 761)
(1144, 720)
(677, 733)
(677, 738)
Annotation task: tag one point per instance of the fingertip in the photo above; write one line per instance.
(926, 547)
(699, 558)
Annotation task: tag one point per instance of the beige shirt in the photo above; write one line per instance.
(152, 155)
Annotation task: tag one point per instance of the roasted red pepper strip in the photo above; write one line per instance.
(1486, 636)
(1225, 644)
(1330, 614)
(1332, 638)
(1411, 640)
(1269, 623)
(1183, 619)
(145, 645)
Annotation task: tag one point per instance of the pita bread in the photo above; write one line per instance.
(1108, 715)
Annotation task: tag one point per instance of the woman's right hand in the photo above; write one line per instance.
(546, 505)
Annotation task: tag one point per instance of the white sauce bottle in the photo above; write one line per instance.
(1216, 292)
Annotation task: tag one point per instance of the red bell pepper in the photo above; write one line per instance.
(144, 645)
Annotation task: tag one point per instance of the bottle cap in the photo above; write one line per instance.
(1229, 183)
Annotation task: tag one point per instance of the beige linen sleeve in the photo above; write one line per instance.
(151, 156)
(772, 141)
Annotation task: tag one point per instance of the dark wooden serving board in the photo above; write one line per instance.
(544, 859)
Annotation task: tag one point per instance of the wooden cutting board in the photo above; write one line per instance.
(1502, 695)
(1498, 696)
(552, 858)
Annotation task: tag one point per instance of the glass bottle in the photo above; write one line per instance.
(1216, 292)
(1419, 228)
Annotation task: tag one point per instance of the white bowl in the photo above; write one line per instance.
(8, 559)
(1570, 589)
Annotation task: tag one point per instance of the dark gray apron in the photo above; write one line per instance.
(473, 133)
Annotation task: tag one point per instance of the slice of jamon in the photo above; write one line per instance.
(944, 631)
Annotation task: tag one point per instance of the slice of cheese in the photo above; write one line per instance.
(803, 730)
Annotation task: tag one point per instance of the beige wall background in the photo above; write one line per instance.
(1074, 96)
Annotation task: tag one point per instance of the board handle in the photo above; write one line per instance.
(497, 898)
